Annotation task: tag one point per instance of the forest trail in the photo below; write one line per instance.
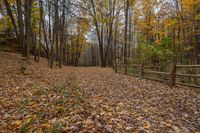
(91, 99)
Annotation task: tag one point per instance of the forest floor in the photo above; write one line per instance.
(91, 100)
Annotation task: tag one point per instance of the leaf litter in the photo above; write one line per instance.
(91, 100)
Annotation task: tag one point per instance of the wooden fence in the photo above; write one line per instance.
(167, 77)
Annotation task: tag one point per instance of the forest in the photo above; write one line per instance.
(104, 32)
(100, 66)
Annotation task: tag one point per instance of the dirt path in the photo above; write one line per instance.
(91, 100)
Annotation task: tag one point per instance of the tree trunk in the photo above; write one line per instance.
(56, 29)
(28, 9)
(99, 35)
(21, 27)
(11, 17)
(125, 35)
(62, 30)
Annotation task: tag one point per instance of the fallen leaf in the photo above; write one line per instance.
(46, 126)
(18, 123)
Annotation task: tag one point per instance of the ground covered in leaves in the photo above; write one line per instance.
(91, 100)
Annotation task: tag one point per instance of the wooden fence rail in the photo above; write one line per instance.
(172, 75)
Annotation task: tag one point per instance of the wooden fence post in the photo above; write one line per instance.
(142, 70)
(173, 74)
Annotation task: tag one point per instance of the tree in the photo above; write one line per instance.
(10, 14)
(64, 29)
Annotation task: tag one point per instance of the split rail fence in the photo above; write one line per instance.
(170, 77)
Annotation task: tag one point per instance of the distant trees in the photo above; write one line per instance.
(103, 14)
(175, 21)
(125, 30)
(44, 28)
(10, 14)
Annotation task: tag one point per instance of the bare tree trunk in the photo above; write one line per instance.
(35, 48)
(99, 35)
(51, 53)
(28, 9)
(179, 45)
(21, 27)
(130, 33)
(39, 42)
(115, 45)
(56, 29)
(110, 30)
(62, 30)
(197, 44)
(125, 35)
(44, 29)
